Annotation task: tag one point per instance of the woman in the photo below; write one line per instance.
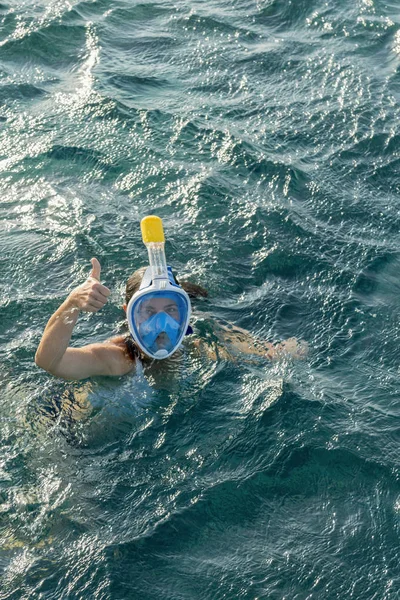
(117, 356)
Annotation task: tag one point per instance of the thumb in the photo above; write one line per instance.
(96, 268)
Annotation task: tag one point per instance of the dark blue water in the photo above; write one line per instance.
(266, 135)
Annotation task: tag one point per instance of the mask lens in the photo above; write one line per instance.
(159, 320)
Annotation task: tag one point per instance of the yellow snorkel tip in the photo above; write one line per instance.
(152, 229)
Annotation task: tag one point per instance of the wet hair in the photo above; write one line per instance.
(132, 286)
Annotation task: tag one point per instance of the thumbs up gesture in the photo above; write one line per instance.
(96, 269)
(90, 296)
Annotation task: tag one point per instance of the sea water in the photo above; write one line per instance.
(265, 134)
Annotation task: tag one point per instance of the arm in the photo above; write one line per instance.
(54, 354)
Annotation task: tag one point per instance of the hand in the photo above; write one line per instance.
(91, 296)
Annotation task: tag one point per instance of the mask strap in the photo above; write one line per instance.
(171, 277)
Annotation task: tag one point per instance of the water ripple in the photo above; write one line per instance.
(266, 137)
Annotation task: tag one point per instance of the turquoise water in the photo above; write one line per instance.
(266, 135)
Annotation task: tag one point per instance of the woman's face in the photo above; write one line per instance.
(155, 305)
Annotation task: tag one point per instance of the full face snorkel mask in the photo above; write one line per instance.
(158, 314)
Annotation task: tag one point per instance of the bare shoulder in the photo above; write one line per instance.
(117, 355)
(117, 341)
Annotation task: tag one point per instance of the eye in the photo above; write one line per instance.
(172, 310)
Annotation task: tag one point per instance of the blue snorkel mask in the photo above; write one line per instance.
(158, 314)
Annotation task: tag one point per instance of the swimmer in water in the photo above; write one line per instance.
(157, 327)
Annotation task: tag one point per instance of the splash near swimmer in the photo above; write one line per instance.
(158, 314)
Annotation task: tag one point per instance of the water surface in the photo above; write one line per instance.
(265, 134)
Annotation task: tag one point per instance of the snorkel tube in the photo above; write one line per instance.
(154, 240)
